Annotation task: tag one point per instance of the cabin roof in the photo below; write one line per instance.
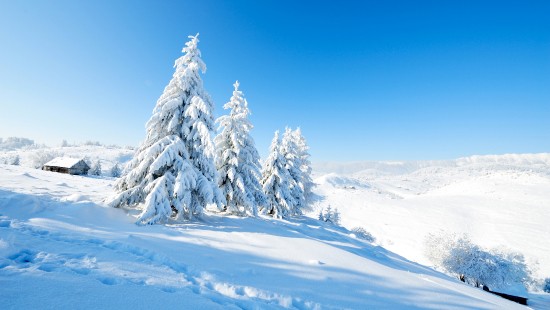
(65, 162)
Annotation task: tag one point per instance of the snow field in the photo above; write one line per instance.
(58, 241)
(499, 201)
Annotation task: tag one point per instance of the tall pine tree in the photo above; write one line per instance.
(237, 158)
(173, 174)
(276, 182)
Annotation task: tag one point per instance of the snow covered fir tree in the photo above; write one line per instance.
(173, 174)
(276, 182)
(304, 164)
(295, 150)
(286, 176)
(237, 159)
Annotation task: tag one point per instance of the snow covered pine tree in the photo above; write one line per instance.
(294, 148)
(276, 182)
(289, 149)
(305, 164)
(173, 174)
(237, 158)
(96, 169)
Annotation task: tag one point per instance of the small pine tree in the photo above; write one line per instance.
(237, 159)
(328, 214)
(115, 171)
(336, 217)
(321, 217)
(96, 169)
(276, 182)
(16, 160)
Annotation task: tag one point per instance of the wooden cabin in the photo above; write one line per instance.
(67, 165)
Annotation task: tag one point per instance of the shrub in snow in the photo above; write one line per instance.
(15, 160)
(321, 216)
(237, 159)
(92, 143)
(64, 143)
(361, 233)
(115, 171)
(546, 285)
(276, 182)
(173, 174)
(95, 169)
(472, 264)
(40, 157)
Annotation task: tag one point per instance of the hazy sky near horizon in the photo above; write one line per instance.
(365, 80)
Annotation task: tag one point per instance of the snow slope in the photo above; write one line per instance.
(61, 248)
(499, 201)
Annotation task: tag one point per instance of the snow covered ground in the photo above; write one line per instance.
(61, 248)
(499, 201)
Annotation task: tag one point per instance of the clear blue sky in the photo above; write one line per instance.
(365, 80)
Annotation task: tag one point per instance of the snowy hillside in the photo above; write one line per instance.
(34, 156)
(61, 248)
(499, 201)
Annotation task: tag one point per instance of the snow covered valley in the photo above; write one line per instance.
(62, 248)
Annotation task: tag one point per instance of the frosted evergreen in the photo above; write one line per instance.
(295, 150)
(305, 165)
(276, 182)
(96, 169)
(173, 174)
(115, 171)
(289, 149)
(237, 158)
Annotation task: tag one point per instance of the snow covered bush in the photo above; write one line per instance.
(237, 159)
(95, 168)
(15, 160)
(362, 233)
(172, 174)
(40, 157)
(474, 265)
(92, 143)
(115, 171)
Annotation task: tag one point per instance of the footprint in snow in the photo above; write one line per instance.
(108, 280)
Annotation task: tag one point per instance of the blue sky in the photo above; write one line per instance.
(365, 80)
